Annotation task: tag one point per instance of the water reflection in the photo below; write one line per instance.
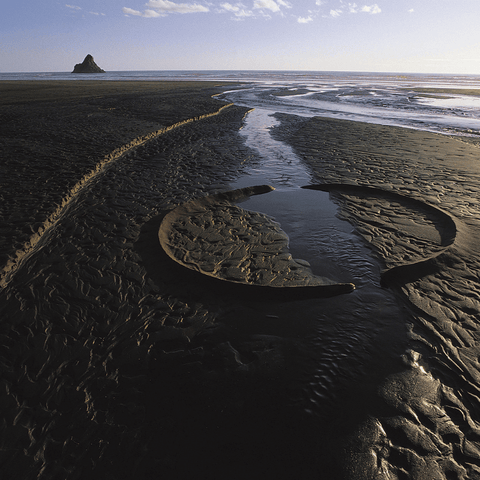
(279, 166)
(377, 101)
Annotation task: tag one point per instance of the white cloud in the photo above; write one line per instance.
(229, 7)
(166, 6)
(264, 6)
(146, 13)
(267, 5)
(244, 13)
(160, 8)
(151, 14)
(239, 10)
(130, 11)
(319, 2)
(73, 6)
(411, 10)
(96, 13)
(305, 19)
(352, 8)
(372, 9)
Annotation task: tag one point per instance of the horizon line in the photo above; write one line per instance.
(249, 70)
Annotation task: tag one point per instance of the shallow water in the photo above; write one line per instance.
(279, 165)
(309, 218)
(348, 342)
(381, 99)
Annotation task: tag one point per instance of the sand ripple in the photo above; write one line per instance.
(80, 314)
(119, 363)
(407, 233)
(433, 429)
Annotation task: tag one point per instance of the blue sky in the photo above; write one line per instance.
(425, 36)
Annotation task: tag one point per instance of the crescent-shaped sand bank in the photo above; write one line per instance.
(215, 237)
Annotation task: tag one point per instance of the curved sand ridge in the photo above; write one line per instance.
(408, 271)
(35, 240)
(221, 240)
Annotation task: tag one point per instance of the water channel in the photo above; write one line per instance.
(355, 339)
(308, 217)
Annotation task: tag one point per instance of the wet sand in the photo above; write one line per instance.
(452, 91)
(119, 363)
(79, 196)
(56, 135)
(433, 431)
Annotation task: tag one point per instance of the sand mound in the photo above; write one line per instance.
(217, 238)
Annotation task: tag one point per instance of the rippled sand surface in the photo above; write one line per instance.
(431, 429)
(119, 363)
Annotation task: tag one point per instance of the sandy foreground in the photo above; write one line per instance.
(434, 432)
(118, 363)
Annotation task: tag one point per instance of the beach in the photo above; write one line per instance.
(440, 286)
(65, 130)
(120, 363)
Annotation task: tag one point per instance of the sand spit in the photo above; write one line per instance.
(217, 238)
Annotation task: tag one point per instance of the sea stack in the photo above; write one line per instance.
(88, 66)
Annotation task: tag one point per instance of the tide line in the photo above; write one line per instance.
(33, 243)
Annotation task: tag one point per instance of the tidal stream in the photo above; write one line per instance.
(308, 217)
(352, 340)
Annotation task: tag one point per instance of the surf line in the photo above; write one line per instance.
(33, 243)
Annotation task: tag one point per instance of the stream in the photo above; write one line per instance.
(355, 339)
(309, 218)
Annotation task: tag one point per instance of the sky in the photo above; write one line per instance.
(411, 36)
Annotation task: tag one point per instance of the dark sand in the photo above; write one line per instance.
(118, 363)
(56, 135)
(452, 91)
(435, 427)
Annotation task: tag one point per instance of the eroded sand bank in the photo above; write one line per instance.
(119, 363)
(217, 238)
